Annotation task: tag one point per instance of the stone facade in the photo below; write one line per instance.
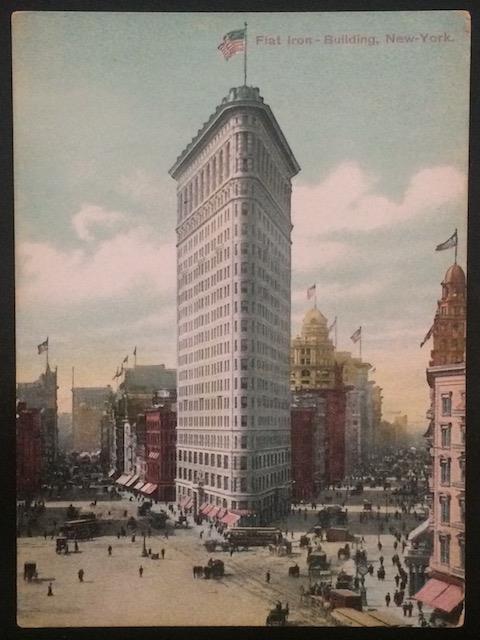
(312, 358)
(233, 285)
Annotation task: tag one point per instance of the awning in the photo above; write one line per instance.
(183, 500)
(242, 512)
(430, 591)
(188, 503)
(122, 479)
(132, 481)
(221, 512)
(419, 531)
(213, 512)
(449, 599)
(230, 518)
(139, 485)
(149, 488)
(203, 506)
(153, 455)
(207, 509)
(111, 473)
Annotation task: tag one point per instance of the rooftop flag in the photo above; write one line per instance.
(427, 336)
(311, 291)
(357, 335)
(43, 346)
(448, 244)
(233, 42)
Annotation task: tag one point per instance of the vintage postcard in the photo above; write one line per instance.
(241, 318)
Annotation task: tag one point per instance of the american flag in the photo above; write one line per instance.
(311, 291)
(357, 335)
(233, 42)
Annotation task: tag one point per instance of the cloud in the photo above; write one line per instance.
(91, 216)
(348, 199)
(129, 261)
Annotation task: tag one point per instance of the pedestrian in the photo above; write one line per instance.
(395, 545)
(166, 534)
(50, 591)
(133, 537)
(405, 609)
(381, 559)
(81, 573)
(404, 544)
(163, 553)
(379, 545)
(419, 606)
(387, 599)
(149, 532)
(231, 551)
(397, 580)
(201, 534)
(267, 577)
(75, 546)
(109, 549)
(410, 609)
(140, 571)
(118, 535)
(45, 535)
(291, 534)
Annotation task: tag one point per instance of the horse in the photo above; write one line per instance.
(294, 571)
(197, 571)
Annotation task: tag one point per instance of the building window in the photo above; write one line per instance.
(461, 548)
(446, 435)
(445, 465)
(446, 404)
(461, 502)
(462, 433)
(445, 509)
(444, 549)
(461, 464)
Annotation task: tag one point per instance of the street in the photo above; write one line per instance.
(113, 593)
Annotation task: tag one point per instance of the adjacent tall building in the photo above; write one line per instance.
(233, 314)
(42, 395)
(444, 591)
(88, 408)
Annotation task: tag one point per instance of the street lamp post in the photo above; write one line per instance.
(144, 550)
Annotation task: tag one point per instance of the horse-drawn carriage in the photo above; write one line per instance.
(210, 545)
(304, 541)
(277, 617)
(344, 581)
(344, 552)
(214, 569)
(294, 571)
(30, 571)
(318, 565)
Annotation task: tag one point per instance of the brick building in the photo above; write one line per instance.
(160, 449)
(29, 451)
(444, 591)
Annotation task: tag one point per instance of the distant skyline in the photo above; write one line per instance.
(105, 102)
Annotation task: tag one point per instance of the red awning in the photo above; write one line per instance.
(188, 503)
(203, 506)
(183, 500)
(207, 509)
(430, 591)
(221, 512)
(449, 599)
(122, 479)
(139, 485)
(213, 512)
(150, 488)
(132, 481)
(230, 518)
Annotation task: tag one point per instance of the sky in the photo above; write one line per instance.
(105, 102)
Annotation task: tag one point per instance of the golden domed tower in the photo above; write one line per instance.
(450, 321)
(312, 354)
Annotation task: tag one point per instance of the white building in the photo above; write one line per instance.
(233, 297)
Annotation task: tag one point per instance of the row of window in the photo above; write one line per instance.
(444, 545)
(445, 508)
(238, 421)
(258, 461)
(445, 469)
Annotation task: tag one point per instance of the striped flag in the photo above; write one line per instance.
(357, 335)
(135, 351)
(233, 42)
(311, 291)
(125, 359)
(333, 325)
(448, 244)
(427, 336)
(43, 346)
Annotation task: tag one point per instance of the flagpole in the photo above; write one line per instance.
(335, 332)
(73, 402)
(360, 342)
(245, 59)
(47, 353)
(456, 245)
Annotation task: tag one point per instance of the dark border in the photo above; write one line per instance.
(7, 331)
